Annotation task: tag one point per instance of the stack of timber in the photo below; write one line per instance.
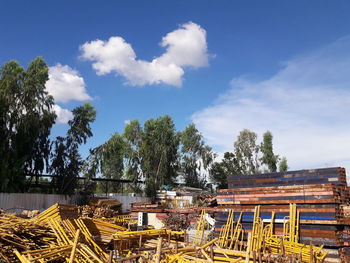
(152, 207)
(104, 202)
(321, 195)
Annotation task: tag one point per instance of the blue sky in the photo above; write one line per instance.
(277, 65)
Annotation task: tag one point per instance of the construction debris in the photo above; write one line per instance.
(56, 238)
(153, 207)
(177, 222)
(100, 208)
(295, 217)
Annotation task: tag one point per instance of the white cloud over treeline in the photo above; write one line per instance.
(65, 84)
(185, 47)
(306, 105)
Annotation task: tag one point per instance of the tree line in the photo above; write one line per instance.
(154, 152)
(248, 157)
(26, 119)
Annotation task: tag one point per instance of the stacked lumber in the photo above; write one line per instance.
(86, 211)
(152, 207)
(96, 212)
(204, 199)
(104, 202)
(333, 175)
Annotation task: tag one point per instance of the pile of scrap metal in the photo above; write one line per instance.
(177, 221)
(59, 235)
(206, 200)
(55, 235)
(185, 197)
(100, 208)
(109, 203)
(153, 207)
(164, 246)
(96, 212)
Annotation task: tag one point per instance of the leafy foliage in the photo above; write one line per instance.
(228, 166)
(66, 160)
(133, 134)
(26, 118)
(268, 157)
(196, 156)
(283, 166)
(108, 160)
(245, 160)
(246, 152)
(159, 151)
(151, 153)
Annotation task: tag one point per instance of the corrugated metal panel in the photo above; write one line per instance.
(16, 202)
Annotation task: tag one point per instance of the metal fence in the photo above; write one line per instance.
(17, 202)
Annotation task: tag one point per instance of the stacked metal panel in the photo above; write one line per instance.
(321, 195)
(333, 175)
(298, 194)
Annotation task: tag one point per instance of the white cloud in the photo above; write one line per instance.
(185, 47)
(305, 105)
(66, 84)
(63, 115)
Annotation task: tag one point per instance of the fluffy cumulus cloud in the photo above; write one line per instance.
(306, 105)
(63, 115)
(65, 84)
(185, 47)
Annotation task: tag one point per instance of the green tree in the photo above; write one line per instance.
(246, 152)
(66, 161)
(26, 118)
(283, 166)
(196, 156)
(268, 157)
(108, 160)
(133, 134)
(220, 171)
(159, 151)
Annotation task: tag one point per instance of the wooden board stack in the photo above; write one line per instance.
(321, 195)
(151, 207)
